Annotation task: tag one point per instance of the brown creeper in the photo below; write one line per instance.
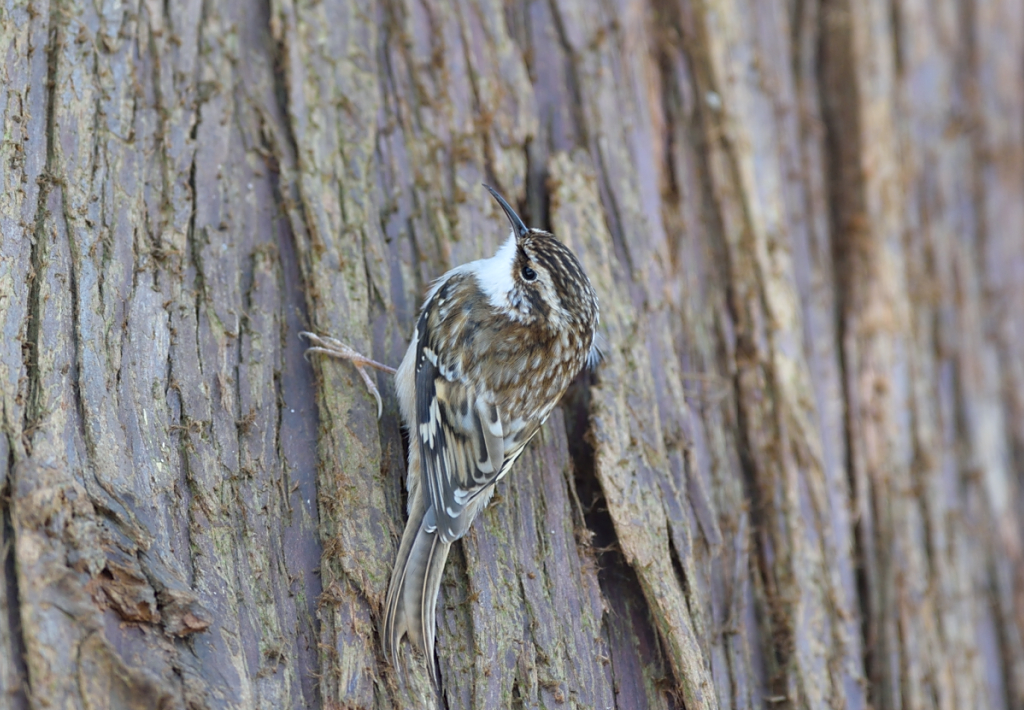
(496, 344)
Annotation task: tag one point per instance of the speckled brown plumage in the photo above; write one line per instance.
(496, 344)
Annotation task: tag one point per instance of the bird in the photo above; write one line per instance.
(496, 343)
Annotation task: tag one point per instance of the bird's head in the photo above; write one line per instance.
(537, 279)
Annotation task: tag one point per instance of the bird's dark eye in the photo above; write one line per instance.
(529, 274)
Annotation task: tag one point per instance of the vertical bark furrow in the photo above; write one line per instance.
(627, 461)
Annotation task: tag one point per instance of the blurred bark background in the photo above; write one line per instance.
(792, 483)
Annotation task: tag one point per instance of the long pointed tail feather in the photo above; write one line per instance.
(434, 568)
(411, 602)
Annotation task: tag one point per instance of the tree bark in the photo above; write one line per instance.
(793, 481)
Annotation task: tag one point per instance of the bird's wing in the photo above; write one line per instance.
(467, 442)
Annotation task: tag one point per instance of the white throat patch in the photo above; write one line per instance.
(495, 274)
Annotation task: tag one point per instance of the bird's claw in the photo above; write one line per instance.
(337, 349)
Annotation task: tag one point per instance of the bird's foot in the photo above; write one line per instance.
(337, 349)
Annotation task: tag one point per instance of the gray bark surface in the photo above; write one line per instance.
(793, 482)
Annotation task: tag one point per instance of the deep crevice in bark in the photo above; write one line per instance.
(537, 210)
(17, 651)
(575, 406)
(598, 522)
(837, 87)
(38, 259)
(774, 621)
(627, 606)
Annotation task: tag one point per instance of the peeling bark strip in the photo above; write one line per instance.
(792, 483)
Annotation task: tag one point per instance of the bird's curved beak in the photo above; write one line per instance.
(517, 224)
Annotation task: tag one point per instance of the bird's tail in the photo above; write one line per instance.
(411, 602)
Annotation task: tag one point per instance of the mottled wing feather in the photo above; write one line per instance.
(466, 442)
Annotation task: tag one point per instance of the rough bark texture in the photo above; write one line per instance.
(793, 482)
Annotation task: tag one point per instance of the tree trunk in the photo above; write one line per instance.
(793, 481)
